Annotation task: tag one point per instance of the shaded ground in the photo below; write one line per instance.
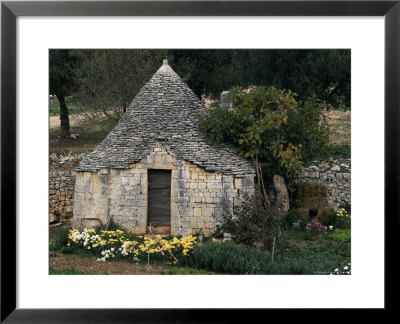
(74, 120)
(64, 261)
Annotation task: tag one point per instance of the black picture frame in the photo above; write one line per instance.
(10, 10)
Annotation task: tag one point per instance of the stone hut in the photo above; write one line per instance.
(156, 168)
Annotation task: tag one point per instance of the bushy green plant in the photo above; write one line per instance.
(270, 124)
(329, 219)
(343, 235)
(60, 239)
(113, 226)
(231, 258)
(252, 221)
(339, 219)
(291, 218)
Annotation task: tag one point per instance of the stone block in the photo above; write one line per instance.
(248, 181)
(197, 212)
(209, 200)
(214, 185)
(207, 211)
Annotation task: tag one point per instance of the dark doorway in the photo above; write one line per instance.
(159, 198)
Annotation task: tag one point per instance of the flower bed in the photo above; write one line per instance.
(119, 244)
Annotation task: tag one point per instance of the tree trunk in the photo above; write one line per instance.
(257, 166)
(64, 117)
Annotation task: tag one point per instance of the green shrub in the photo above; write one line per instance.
(343, 235)
(113, 226)
(233, 258)
(339, 151)
(252, 222)
(291, 218)
(60, 239)
(339, 219)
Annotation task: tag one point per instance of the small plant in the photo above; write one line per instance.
(343, 218)
(342, 235)
(112, 225)
(252, 222)
(345, 271)
(291, 218)
(315, 227)
(339, 219)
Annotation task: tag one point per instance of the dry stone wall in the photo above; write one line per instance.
(337, 178)
(61, 196)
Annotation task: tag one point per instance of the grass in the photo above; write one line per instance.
(67, 271)
(54, 109)
(327, 243)
(88, 140)
(186, 271)
(340, 151)
(343, 235)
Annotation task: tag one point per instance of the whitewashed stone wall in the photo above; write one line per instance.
(196, 195)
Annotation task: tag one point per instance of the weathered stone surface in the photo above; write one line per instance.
(281, 193)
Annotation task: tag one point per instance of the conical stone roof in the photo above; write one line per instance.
(164, 111)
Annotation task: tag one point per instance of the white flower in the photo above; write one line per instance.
(331, 227)
(336, 270)
(346, 267)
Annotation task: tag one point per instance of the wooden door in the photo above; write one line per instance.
(159, 198)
